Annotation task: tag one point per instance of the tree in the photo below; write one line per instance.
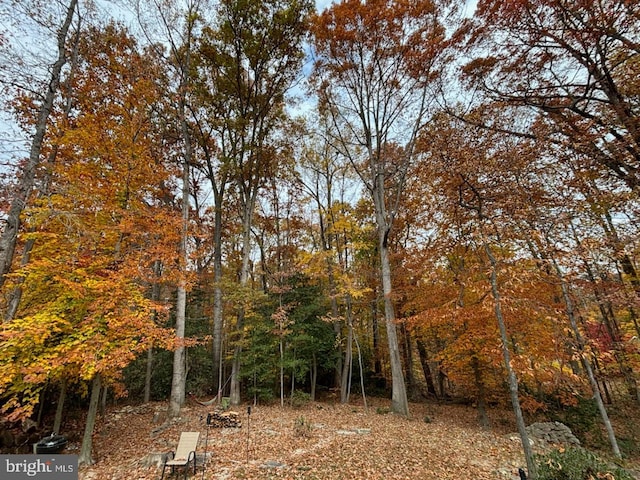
(328, 183)
(375, 63)
(45, 98)
(213, 168)
(253, 54)
(478, 180)
(576, 63)
(85, 312)
(178, 27)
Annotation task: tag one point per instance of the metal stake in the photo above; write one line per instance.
(206, 444)
(248, 429)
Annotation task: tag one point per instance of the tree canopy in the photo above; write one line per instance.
(291, 202)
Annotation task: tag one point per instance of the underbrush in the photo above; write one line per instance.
(577, 463)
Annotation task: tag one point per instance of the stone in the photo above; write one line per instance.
(552, 432)
(273, 464)
(154, 460)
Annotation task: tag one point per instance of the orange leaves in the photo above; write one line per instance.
(354, 34)
(84, 306)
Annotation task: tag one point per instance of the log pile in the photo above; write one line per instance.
(228, 419)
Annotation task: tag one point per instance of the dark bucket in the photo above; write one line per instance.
(50, 444)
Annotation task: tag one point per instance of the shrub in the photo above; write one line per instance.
(576, 464)
(302, 427)
(583, 420)
(300, 399)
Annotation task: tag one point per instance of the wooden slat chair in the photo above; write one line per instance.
(185, 453)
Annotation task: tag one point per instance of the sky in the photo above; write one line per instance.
(10, 148)
(322, 4)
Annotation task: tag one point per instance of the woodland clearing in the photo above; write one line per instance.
(316, 441)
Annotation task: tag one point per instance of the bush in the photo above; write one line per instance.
(583, 420)
(300, 399)
(576, 464)
(302, 427)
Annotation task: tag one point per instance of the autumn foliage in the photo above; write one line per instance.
(457, 186)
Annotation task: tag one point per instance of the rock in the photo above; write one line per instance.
(154, 460)
(160, 417)
(552, 432)
(504, 472)
(354, 431)
(29, 426)
(7, 438)
(273, 464)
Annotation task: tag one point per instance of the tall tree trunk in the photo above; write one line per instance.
(511, 375)
(179, 377)
(218, 179)
(62, 396)
(85, 457)
(9, 236)
(483, 418)
(426, 368)
(314, 376)
(337, 324)
(399, 401)
(360, 364)
(347, 365)
(407, 351)
(218, 320)
(375, 335)
(281, 350)
(247, 219)
(585, 362)
(148, 376)
(16, 295)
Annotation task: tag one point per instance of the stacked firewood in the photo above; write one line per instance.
(222, 419)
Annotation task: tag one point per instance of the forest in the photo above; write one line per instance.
(264, 200)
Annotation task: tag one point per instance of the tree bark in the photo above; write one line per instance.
(426, 368)
(9, 236)
(587, 366)
(179, 377)
(511, 375)
(360, 364)
(399, 401)
(85, 457)
(347, 364)
(218, 319)
(483, 418)
(183, 58)
(247, 220)
(407, 351)
(57, 420)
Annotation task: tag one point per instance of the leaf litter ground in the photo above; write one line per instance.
(318, 441)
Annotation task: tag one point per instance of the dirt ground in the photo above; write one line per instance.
(317, 441)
